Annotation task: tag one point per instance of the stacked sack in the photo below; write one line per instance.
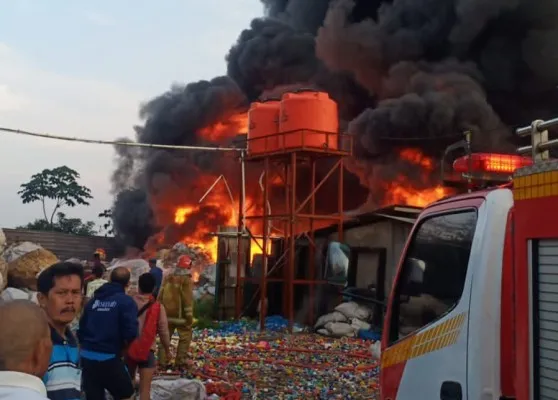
(345, 321)
(25, 261)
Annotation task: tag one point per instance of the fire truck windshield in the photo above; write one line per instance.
(434, 271)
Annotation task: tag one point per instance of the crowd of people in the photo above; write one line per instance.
(93, 332)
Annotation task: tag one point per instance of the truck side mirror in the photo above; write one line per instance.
(337, 262)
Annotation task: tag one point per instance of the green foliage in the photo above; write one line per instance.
(107, 226)
(74, 226)
(58, 184)
(203, 313)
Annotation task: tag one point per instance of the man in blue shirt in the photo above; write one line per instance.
(107, 327)
(60, 295)
(157, 274)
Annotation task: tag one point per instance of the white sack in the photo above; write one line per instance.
(359, 324)
(376, 350)
(335, 316)
(340, 329)
(10, 294)
(354, 310)
(178, 389)
(15, 251)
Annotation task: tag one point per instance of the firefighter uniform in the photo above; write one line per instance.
(177, 296)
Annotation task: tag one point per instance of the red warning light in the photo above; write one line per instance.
(490, 163)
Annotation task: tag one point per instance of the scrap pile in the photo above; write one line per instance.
(203, 268)
(239, 361)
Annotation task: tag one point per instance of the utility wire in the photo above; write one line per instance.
(120, 143)
(216, 148)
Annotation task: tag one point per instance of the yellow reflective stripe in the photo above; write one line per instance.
(442, 335)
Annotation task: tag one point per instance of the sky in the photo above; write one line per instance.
(81, 69)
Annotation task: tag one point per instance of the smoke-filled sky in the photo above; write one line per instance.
(406, 73)
(83, 68)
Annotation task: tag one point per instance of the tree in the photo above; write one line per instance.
(58, 184)
(74, 226)
(107, 226)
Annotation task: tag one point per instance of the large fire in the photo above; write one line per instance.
(219, 197)
(237, 123)
(209, 245)
(403, 191)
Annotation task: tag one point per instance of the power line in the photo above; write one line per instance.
(215, 148)
(121, 143)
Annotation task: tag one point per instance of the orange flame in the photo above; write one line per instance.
(403, 191)
(209, 246)
(414, 197)
(237, 123)
(219, 197)
(256, 247)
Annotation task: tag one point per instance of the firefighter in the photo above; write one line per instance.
(177, 297)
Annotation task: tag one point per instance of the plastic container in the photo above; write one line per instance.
(263, 121)
(305, 118)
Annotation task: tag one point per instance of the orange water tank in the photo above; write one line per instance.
(305, 118)
(263, 125)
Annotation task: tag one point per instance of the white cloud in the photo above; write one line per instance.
(34, 99)
(4, 49)
(10, 101)
(99, 19)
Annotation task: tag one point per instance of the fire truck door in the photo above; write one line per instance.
(426, 354)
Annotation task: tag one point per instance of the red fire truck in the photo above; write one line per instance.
(473, 313)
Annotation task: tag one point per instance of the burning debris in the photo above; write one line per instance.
(410, 76)
(203, 266)
(201, 258)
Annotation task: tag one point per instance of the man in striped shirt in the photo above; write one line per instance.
(60, 289)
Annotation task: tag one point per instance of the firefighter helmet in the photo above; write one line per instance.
(184, 261)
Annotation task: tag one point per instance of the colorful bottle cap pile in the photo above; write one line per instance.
(240, 361)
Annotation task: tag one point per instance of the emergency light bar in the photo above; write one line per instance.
(490, 163)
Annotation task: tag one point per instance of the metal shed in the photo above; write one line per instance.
(386, 228)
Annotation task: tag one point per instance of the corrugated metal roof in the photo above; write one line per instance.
(66, 246)
(405, 214)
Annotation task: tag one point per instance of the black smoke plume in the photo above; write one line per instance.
(158, 180)
(133, 217)
(406, 73)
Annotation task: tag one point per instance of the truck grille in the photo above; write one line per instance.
(545, 320)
